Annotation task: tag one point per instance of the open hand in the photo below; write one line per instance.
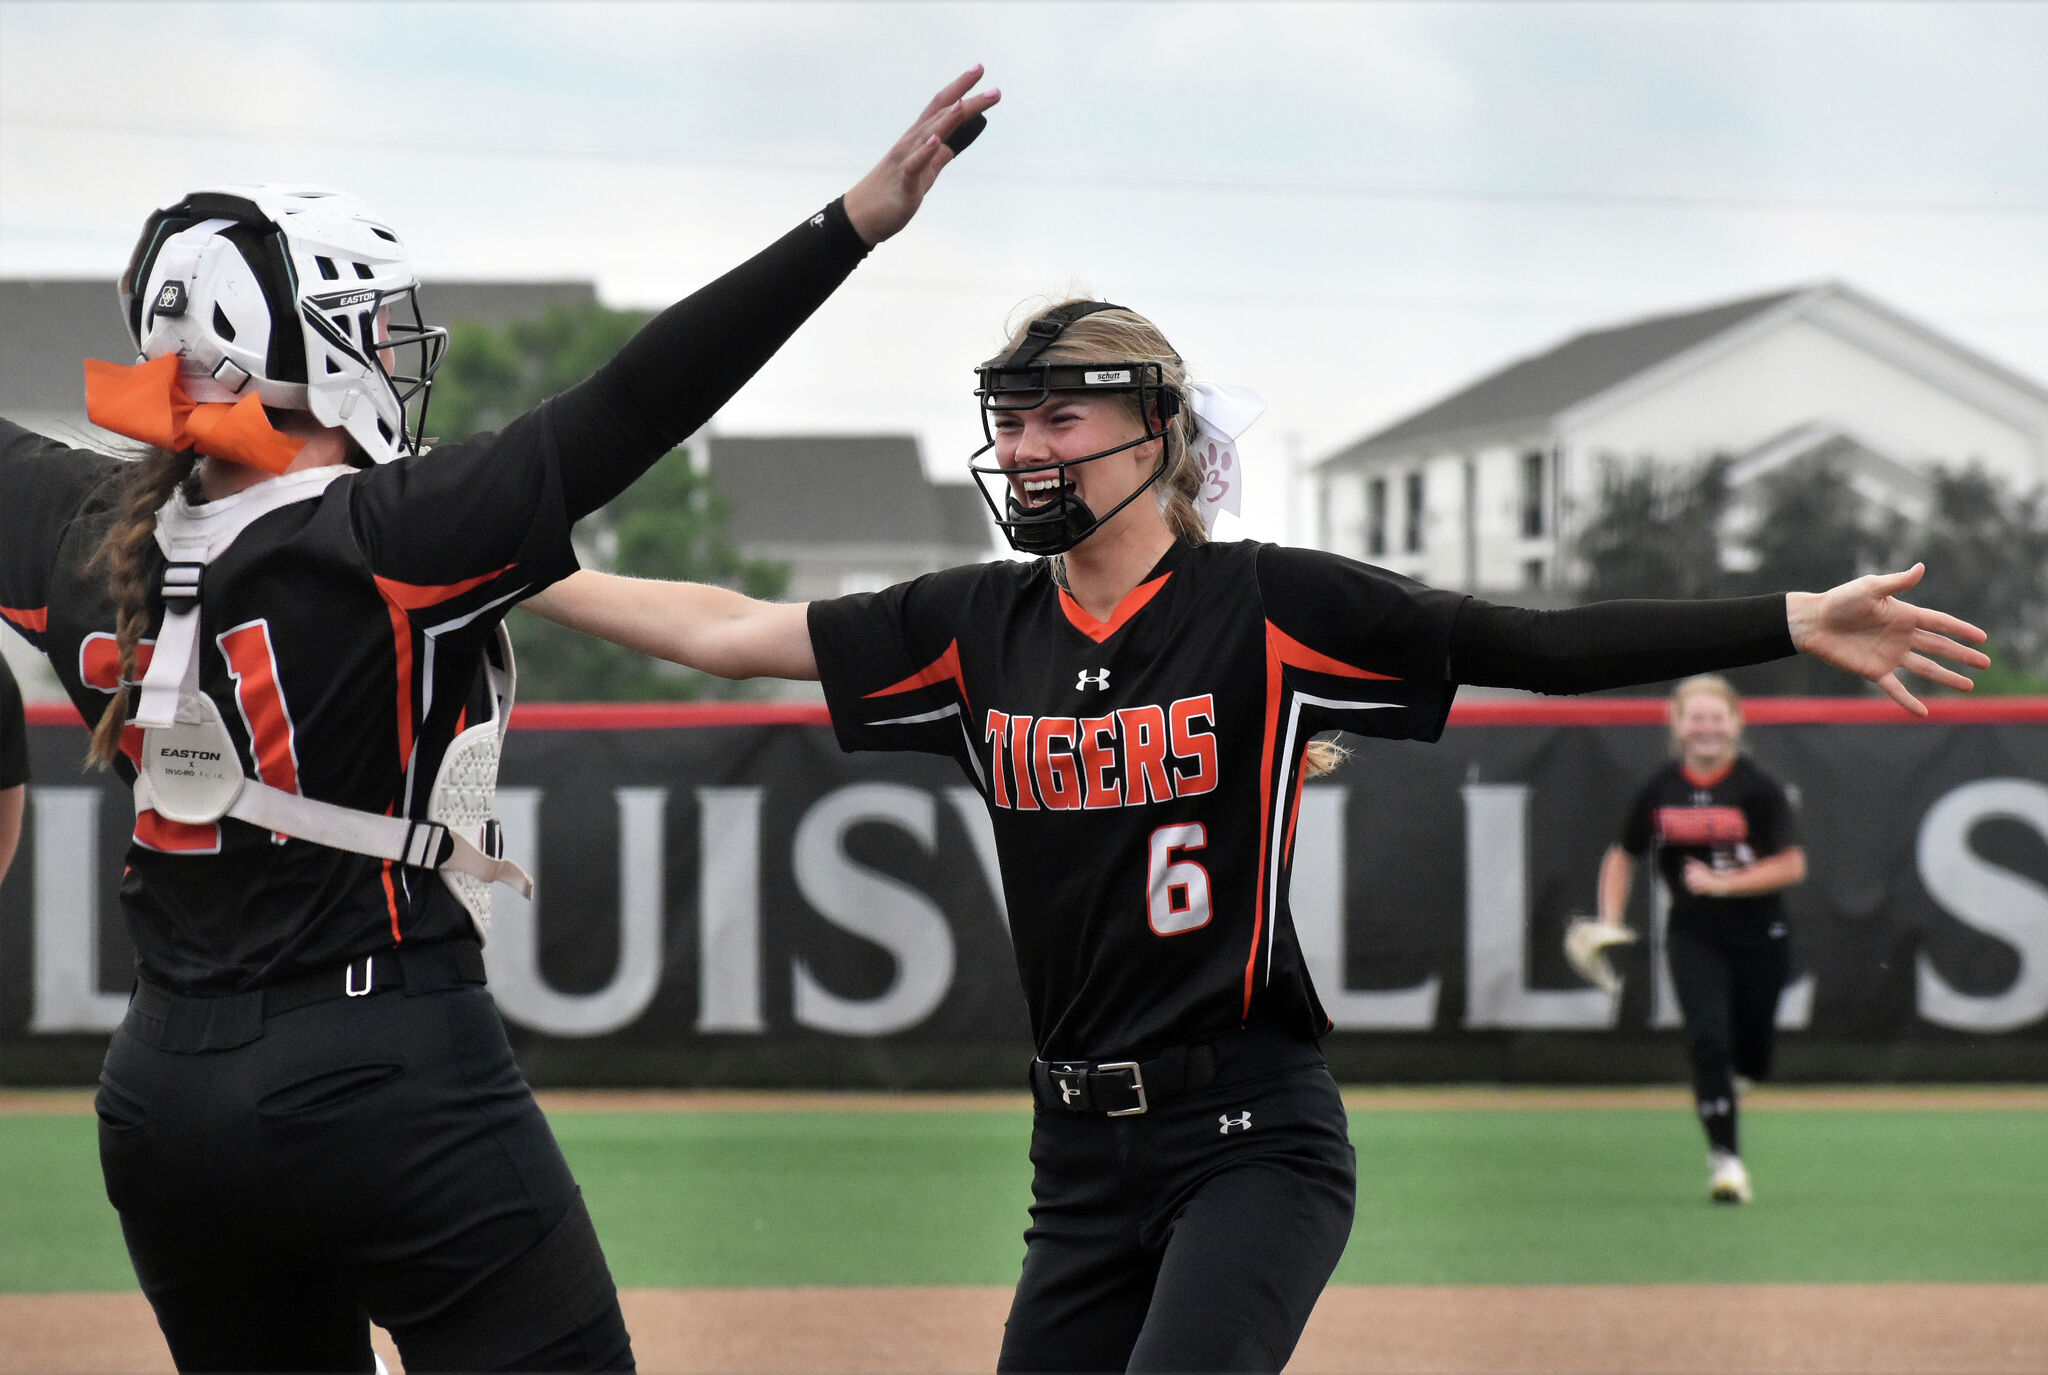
(883, 201)
(1863, 627)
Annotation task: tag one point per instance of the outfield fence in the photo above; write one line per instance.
(726, 899)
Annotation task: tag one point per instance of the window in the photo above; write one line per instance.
(1376, 517)
(1413, 537)
(1532, 494)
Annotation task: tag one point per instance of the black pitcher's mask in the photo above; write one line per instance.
(1055, 519)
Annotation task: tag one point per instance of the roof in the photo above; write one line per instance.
(1583, 366)
(839, 489)
(48, 326)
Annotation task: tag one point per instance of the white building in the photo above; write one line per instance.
(1481, 491)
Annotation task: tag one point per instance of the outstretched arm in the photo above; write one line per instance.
(1860, 626)
(708, 628)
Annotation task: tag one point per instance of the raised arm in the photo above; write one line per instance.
(711, 629)
(1860, 626)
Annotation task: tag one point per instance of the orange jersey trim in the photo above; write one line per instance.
(1134, 601)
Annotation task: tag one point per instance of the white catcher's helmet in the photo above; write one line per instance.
(302, 293)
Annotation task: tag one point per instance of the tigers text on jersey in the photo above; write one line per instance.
(1142, 772)
(341, 638)
(1729, 820)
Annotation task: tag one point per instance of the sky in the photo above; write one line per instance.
(1354, 209)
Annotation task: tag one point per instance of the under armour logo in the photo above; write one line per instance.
(1068, 1093)
(1092, 678)
(1241, 1123)
(818, 220)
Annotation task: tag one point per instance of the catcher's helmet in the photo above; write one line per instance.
(1019, 382)
(300, 293)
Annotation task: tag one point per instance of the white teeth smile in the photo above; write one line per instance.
(1039, 491)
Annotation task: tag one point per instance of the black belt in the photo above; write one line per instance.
(176, 1022)
(1126, 1088)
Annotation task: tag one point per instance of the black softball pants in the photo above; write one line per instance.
(363, 1158)
(1728, 993)
(1194, 1237)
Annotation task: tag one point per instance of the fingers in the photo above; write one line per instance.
(1891, 584)
(1896, 690)
(1927, 642)
(1937, 673)
(952, 91)
(1947, 624)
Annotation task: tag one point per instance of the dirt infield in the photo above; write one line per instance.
(1708, 1329)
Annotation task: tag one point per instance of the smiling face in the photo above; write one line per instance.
(1072, 425)
(1706, 728)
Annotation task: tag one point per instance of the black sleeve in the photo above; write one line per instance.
(13, 732)
(690, 360)
(44, 485)
(1357, 640)
(889, 662)
(498, 507)
(1613, 644)
(1773, 825)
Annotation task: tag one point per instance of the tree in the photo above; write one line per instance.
(1660, 532)
(670, 524)
(1986, 551)
(1656, 532)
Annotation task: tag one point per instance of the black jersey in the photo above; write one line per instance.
(1142, 772)
(1731, 819)
(353, 705)
(13, 731)
(342, 637)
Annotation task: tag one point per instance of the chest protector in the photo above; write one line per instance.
(191, 771)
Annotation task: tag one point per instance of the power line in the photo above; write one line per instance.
(1179, 185)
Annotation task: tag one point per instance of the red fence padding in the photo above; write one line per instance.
(1596, 711)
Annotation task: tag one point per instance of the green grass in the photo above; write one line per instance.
(1556, 1196)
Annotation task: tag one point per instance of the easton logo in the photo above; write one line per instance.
(355, 299)
(210, 756)
(1092, 678)
(1240, 1123)
(170, 298)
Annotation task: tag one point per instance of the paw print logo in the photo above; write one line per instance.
(1215, 465)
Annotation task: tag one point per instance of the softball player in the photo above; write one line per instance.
(13, 765)
(1727, 844)
(310, 1116)
(1137, 710)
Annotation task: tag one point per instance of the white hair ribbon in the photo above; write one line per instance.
(1222, 413)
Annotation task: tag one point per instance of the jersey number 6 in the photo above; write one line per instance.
(1176, 890)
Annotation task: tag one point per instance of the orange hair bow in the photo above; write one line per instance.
(147, 402)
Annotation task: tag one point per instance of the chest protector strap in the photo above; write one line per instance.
(192, 773)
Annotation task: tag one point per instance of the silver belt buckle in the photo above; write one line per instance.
(1137, 1087)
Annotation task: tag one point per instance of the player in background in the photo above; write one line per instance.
(310, 1117)
(1137, 709)
(13, 766)
(1726, 844)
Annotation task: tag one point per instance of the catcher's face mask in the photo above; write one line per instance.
(1050, 517)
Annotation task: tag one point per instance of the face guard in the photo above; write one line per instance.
(1019, 382)
(297, 293)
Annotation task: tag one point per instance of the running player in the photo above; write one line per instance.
(310, 1116)
(13, 765)
(1726, 845)
(1136, 709)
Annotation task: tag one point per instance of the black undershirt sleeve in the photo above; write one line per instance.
(1613, 644)
(689, 360)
